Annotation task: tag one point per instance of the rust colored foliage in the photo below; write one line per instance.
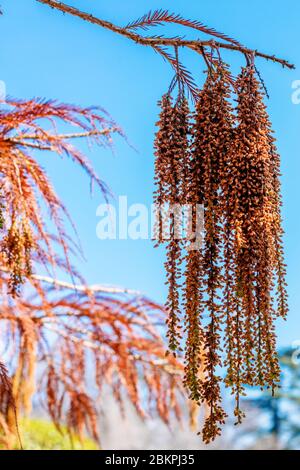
(66, 343)
(24, 183)
(66, 349)
(228, 163)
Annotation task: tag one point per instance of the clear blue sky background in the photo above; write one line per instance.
(46, 54)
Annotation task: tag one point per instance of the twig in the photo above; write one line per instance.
(136, 357)
(32, 145)
(80, 287)
(160, 41)
(75, 135)
(84, 288)
(20, 140)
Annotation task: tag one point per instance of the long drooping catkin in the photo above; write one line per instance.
(260, 252)
(212, 138)
(172, 147)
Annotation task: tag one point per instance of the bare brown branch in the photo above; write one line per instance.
(163, 41)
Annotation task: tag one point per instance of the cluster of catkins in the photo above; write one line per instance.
(224, 295)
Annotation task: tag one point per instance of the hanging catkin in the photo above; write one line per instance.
(17, 247)
(258, 236)
(172, 149)
(193, 285)
(212, 139)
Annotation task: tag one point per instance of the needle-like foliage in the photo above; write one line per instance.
(26, 191)
(65, 349)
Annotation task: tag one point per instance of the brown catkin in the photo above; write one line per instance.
(17, 246)
(212, 138)
(172, 147)
(258, 215)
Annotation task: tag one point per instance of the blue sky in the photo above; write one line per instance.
(46, 54)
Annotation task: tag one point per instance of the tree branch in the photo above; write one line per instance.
(84, 288)
(75, 135)
(163, 364)
(161, 41)
(80, 287)
(22, 139)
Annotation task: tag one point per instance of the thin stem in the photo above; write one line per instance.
(75, 135)
(80, 287)
(160, 41)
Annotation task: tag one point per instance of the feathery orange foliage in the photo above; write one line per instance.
(25, 185)
(65, 347)
(62, 342)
